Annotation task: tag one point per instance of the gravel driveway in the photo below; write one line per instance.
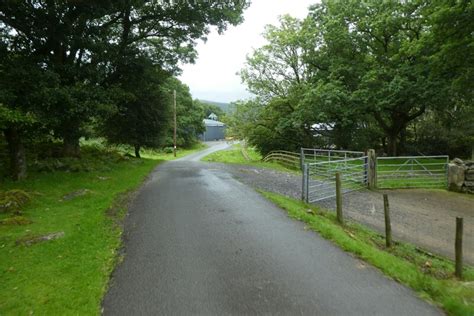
(423, 217)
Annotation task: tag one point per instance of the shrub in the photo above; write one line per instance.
(168, 150)
(12, 201)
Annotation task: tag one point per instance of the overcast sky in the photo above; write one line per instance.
(213, 76)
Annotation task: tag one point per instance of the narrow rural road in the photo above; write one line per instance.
(197, 241)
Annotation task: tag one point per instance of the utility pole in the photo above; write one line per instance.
(174, 131)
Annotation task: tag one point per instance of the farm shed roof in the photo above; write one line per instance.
(213, 123)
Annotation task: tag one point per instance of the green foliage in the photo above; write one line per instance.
(168, 150)
(143, 112)
(244, 117)
(209, 108)
(272, 70)
(363, 74)
(445, 130)
(451, 44)
(96, 160)
(69, 65)
(10, 116)
(189, 114)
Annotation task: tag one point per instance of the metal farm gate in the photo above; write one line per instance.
(319, 155)
(412, 172)
(359, 170)
(319, 177)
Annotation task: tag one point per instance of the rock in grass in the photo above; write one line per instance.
(75, 194)
(15, 220)
(28, 241)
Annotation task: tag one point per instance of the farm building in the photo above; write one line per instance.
(215, 130)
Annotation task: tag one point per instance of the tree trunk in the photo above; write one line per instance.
(137, 151)
(17, 153)
(392, 145)
(403, 139)
(71, 146)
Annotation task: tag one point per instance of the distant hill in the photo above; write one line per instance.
(224, 106)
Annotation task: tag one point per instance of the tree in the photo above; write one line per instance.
(352, 66)
(63, 38)
(143, 114)
(243, 118)
(81, 47)
(377, 68)
(189, 114)
(272, 70)
(22, 87)
(209, 108)
(450, 45)
(278, 75)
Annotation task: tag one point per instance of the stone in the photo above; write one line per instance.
(75, 194)
(469, 174)
(35, 240)
(456, 174)
(457, 161)
(469, 184)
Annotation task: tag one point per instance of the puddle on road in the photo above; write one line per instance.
(214, 183)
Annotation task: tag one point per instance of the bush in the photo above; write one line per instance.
(168, 150)
(12, 201)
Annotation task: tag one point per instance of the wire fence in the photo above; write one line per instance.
(425, 218)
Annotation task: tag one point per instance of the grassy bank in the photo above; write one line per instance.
(431, 277)
(235, 156)
(81, 203)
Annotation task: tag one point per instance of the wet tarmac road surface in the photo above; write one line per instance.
(197, 241)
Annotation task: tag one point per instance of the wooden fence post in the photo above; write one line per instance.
(388, 226)
(340, 218)
(458, 247)
(371, 169)
(301, 158)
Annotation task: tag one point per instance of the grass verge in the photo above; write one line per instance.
(431, 277)
(235, 156)
(82, 208)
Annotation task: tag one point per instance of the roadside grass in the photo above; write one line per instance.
(430, 276)
(235, 156)
(148, 153)
(68, 275)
